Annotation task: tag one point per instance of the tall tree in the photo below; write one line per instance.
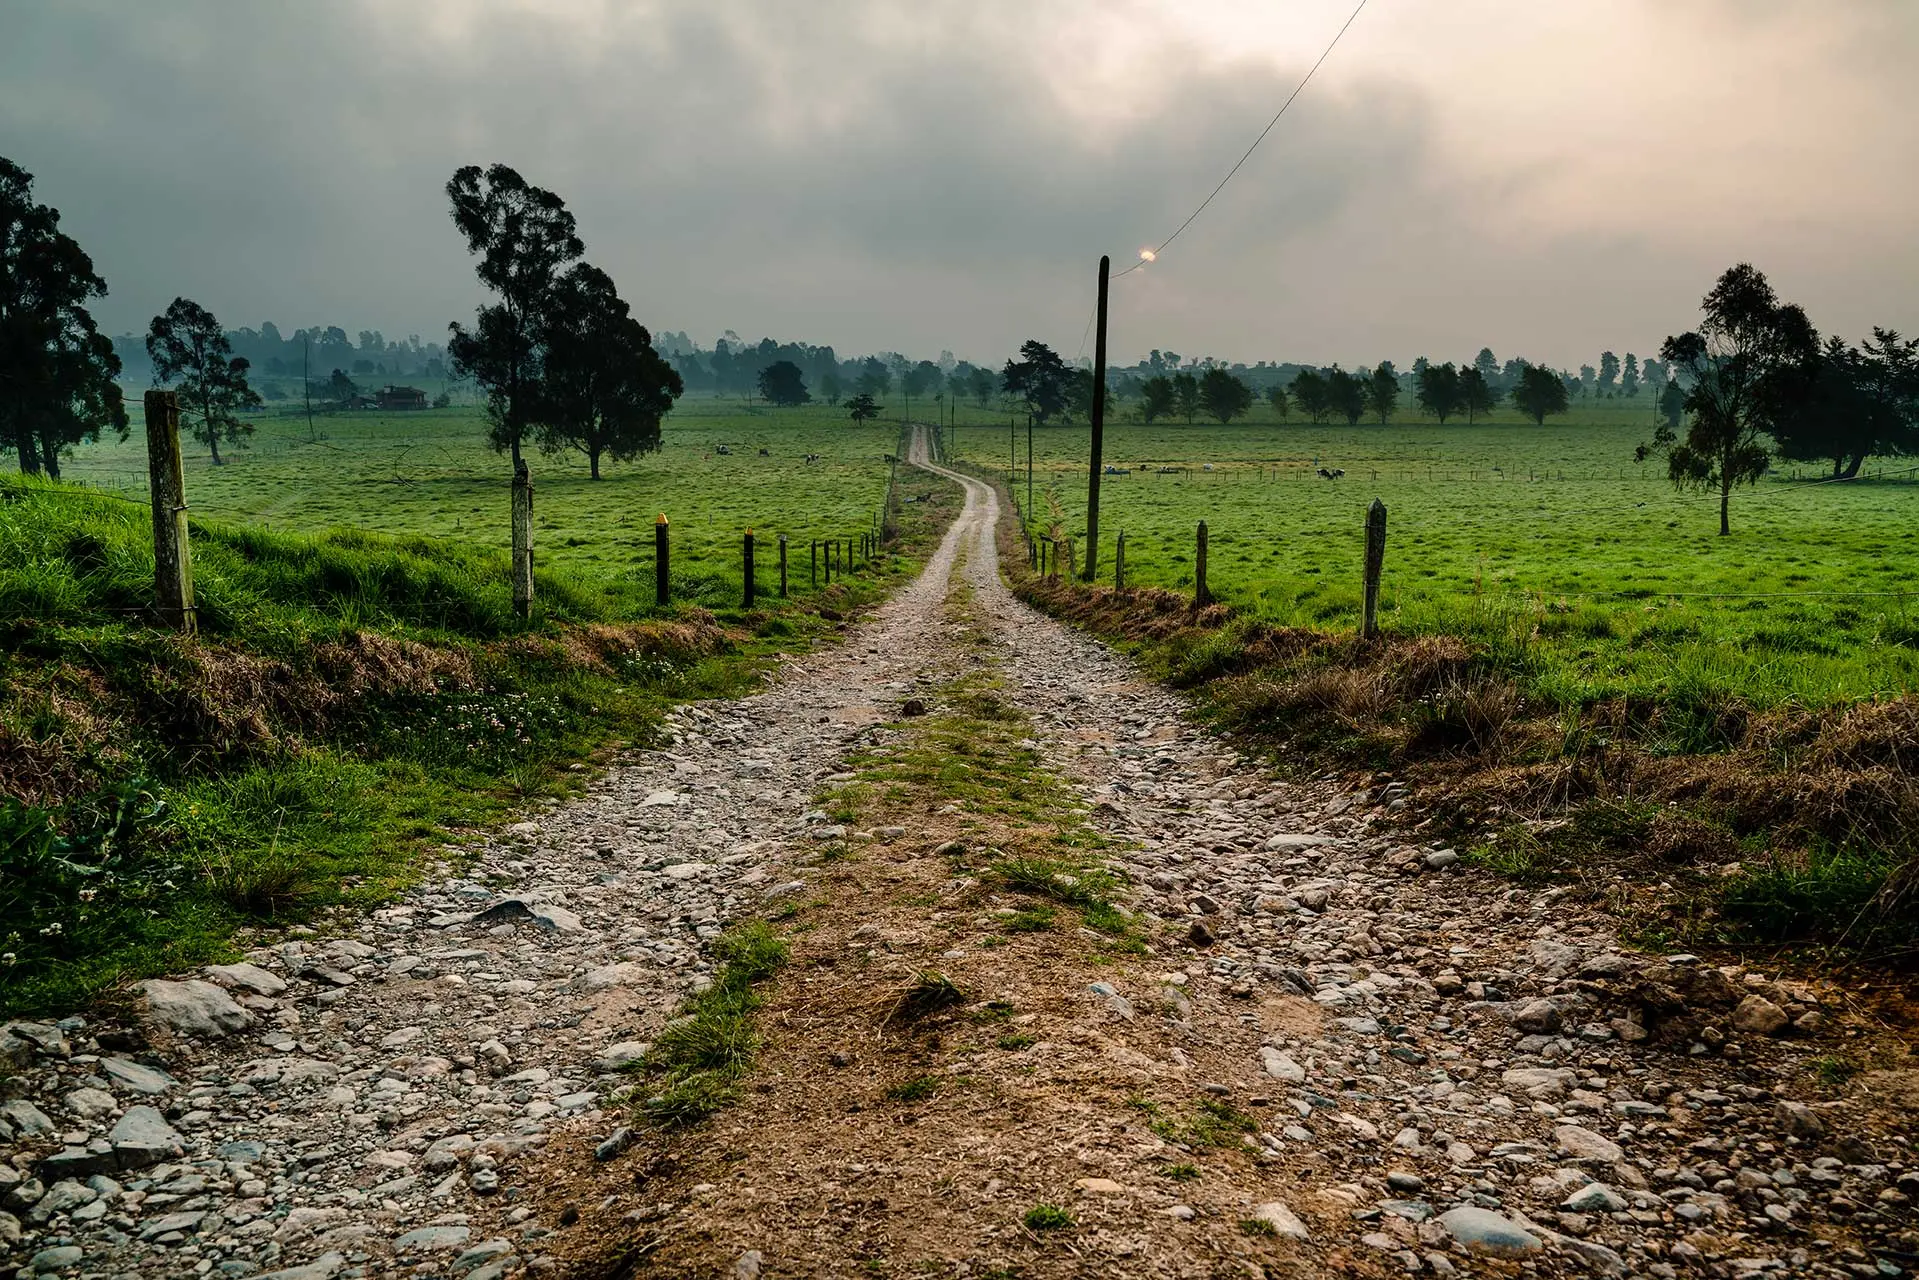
(783, 384)
(1156, 398)
(1346, 393)
(57, 371)
(1608, 372)
(1040, 379)
(1436, 387)
(875, 379)
(1540, 392)
(862, 408)
(187, 344)
(922, 379)
(1752, 365)
(1382, 392)
(1309, 389)
(831, 388)
(342, 388)
(524, 236)
(1224, 395)
(1629, 377)
(1476, 395)
(983, 384)
(1276, 396)
(1488, 366)
(1670, 405)
(604, 390)
(1186, 395)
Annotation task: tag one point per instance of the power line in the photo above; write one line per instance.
(1297, 90)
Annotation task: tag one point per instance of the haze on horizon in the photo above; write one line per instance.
(1550, 180)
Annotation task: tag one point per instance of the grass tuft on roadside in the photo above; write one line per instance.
(694, 1067)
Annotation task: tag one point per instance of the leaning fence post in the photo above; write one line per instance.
(522, 539)
(1375, 562)
(660, 591)
(1201, 596)
(782, 566)
(1119, 562)
(172, 560)
(747, 594)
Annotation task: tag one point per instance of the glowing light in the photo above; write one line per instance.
(1147, 255)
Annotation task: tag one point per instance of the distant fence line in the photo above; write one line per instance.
(1044, 553)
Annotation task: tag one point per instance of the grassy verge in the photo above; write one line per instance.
(694, 1068)
(349, 702)
(1700, 816)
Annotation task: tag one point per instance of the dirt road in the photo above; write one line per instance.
(1075, 988)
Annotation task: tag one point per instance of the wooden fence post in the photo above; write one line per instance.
(661, 592)
(1119, 562)
(1201, 596)
(1375, 562)
(1071, 569)
(172, 559)
(813, 564)
(747, 593)
(782, 566)
(522, 539)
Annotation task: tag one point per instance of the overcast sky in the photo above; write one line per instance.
(1550, 177)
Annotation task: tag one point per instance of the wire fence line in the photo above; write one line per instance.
(1041, 540)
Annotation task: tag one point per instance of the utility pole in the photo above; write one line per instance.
(306, 387)
(1099, 424)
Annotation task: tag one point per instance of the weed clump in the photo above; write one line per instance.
(1047, 1217)
(700, 1056)
(927, 994)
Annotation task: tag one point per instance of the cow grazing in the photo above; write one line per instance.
(1334, 474)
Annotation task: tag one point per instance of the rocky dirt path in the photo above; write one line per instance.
(1316, 1044)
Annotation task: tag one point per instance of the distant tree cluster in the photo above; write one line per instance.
(559, 355)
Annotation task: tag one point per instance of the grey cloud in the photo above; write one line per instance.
(763, 167)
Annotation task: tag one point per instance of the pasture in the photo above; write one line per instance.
(1586, 570)
(431, 473)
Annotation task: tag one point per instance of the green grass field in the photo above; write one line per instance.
(432, 473)
(1588, 569)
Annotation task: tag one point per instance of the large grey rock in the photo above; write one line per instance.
(1539, 1082)
(58, 1258)
(1283, 1220)
(142, 1137)
(1583, 1144)
(432, 1238)
(1595, 1197)
(323, 1267)
(136, 1076)
(1484, 1232)
(248, 977)
(1797, 1120)
(27, 1120)
(544, 914)
(1757, 1015)
(89, 1103)
(62, 1197)
(617, 1056)
(194, 1008)
(1280, 1066)
(1536, 1017)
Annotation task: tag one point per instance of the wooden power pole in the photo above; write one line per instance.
(1099, 423)
(522, 539)
(172, 563)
